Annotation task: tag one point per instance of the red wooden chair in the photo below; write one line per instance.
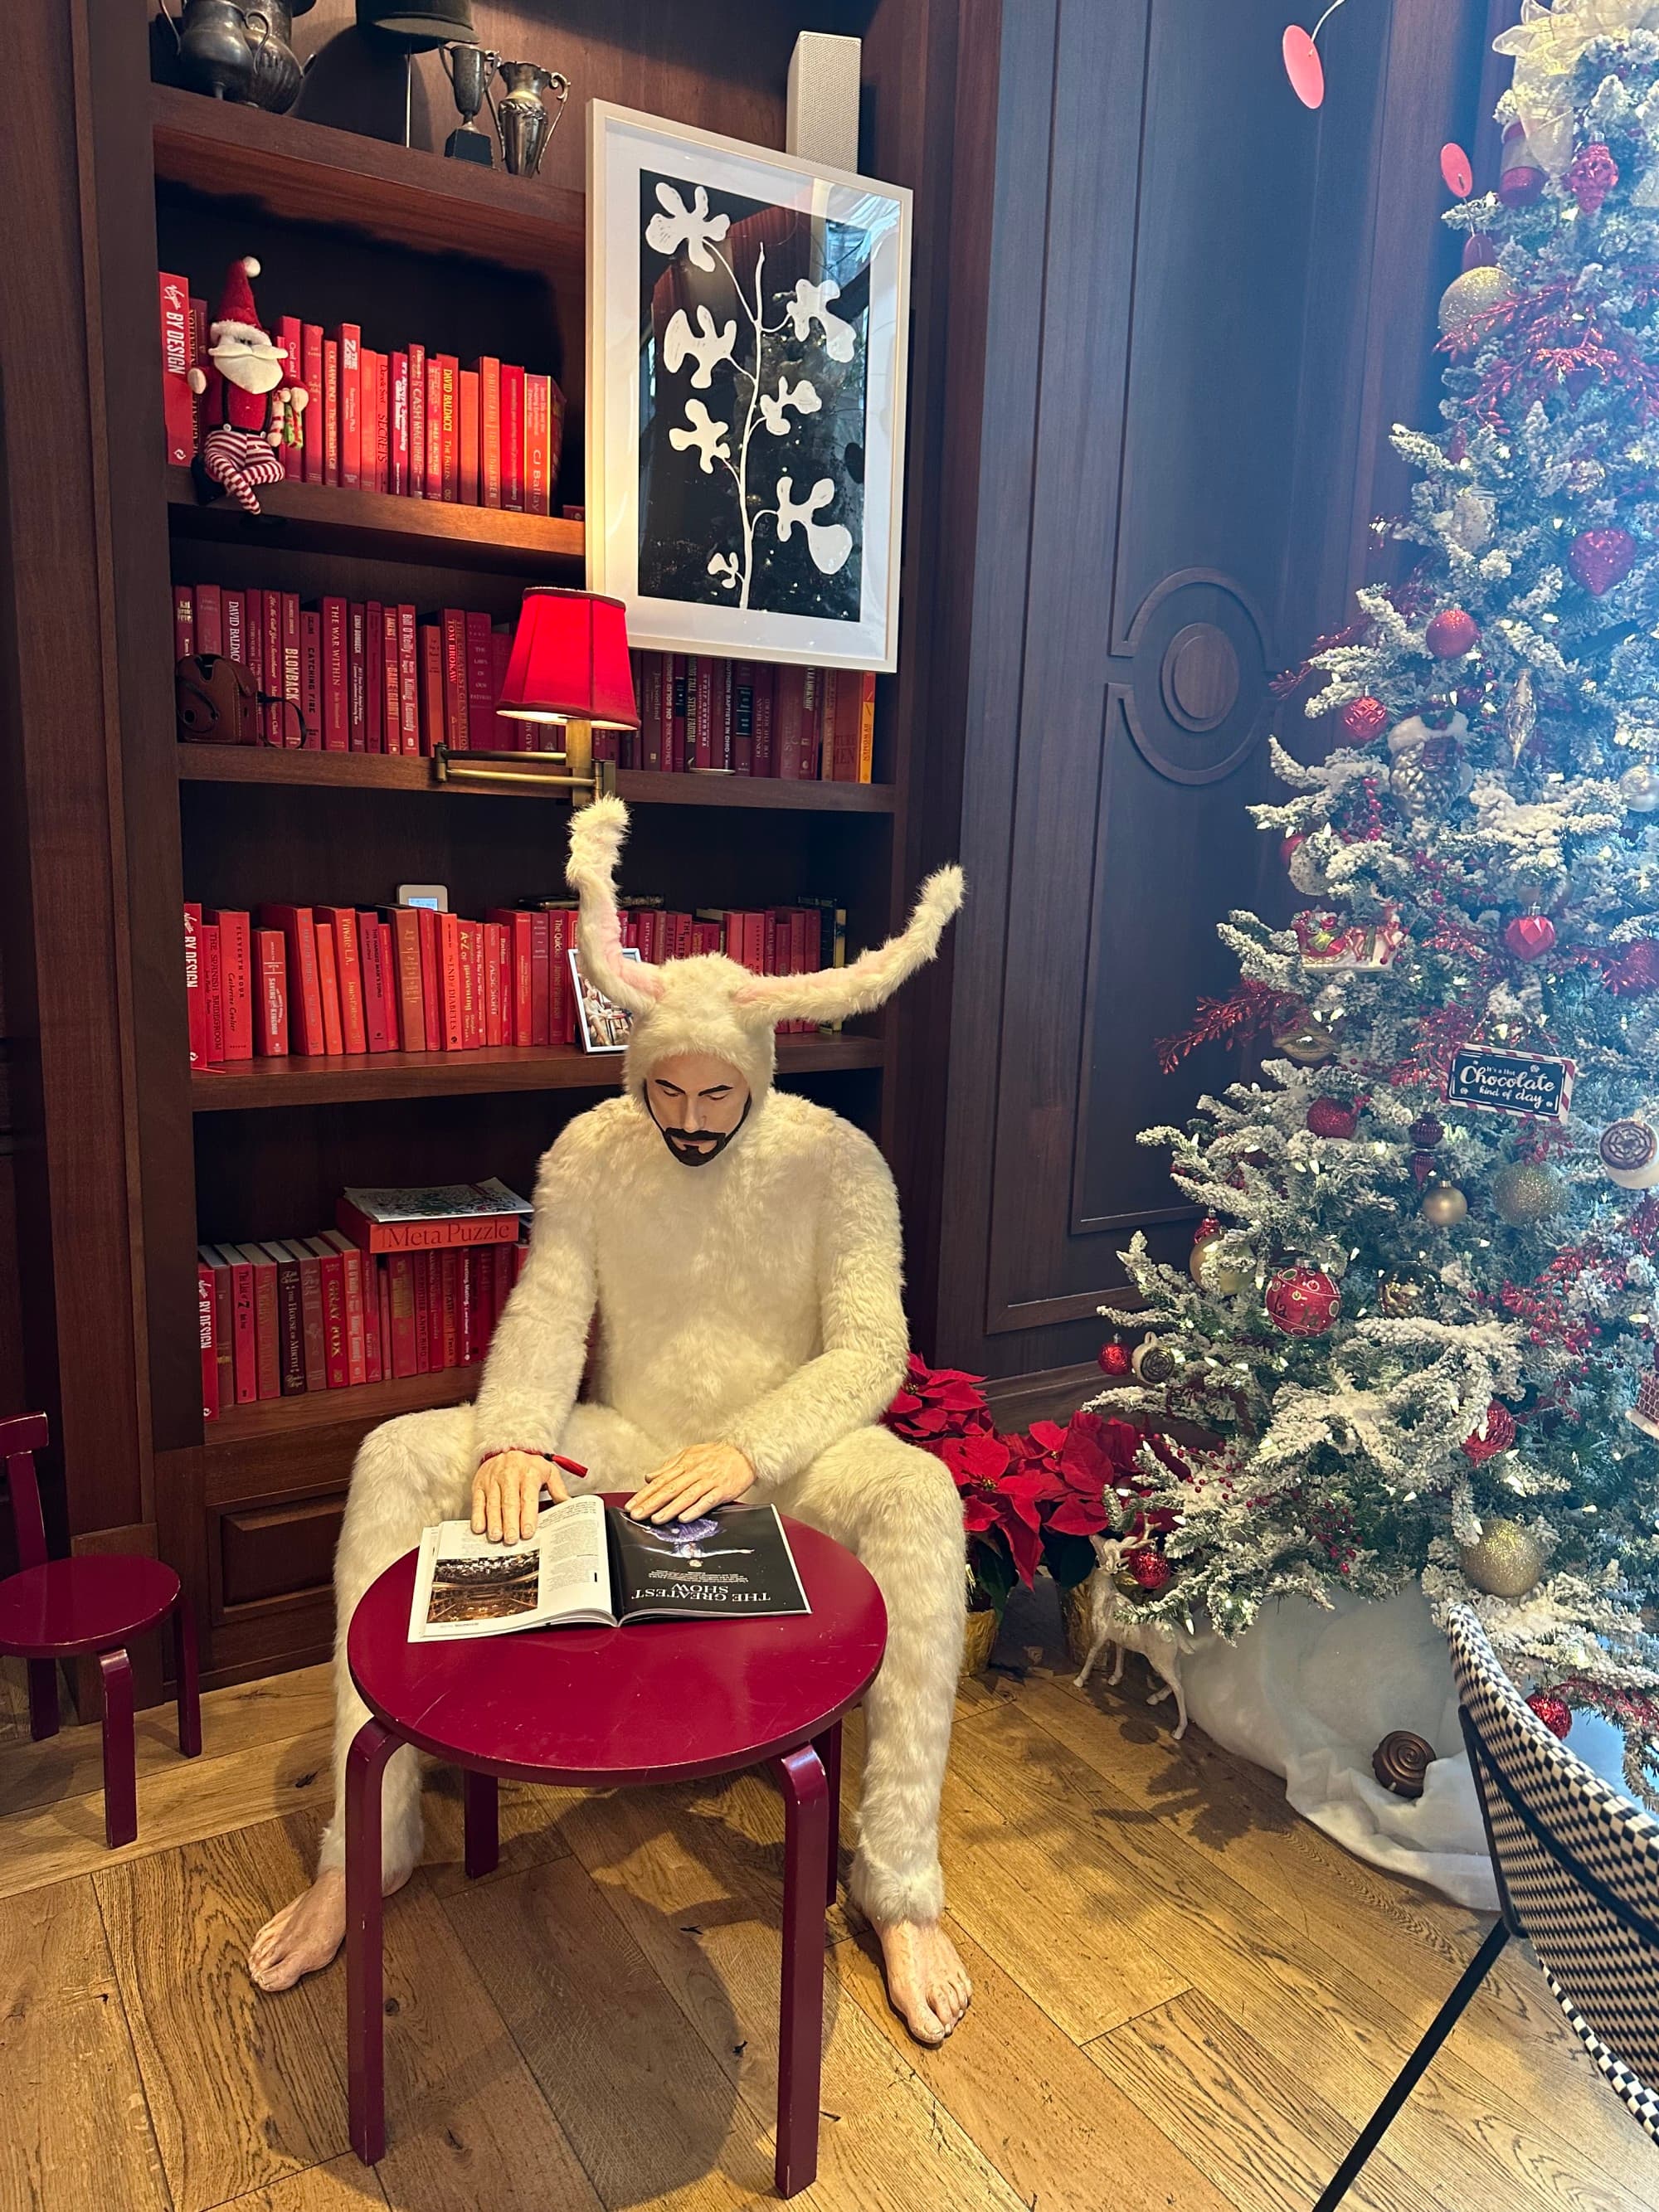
(55, 1609)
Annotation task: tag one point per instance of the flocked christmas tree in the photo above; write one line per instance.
(1424, 1306)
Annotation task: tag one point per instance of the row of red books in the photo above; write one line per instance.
(406, 422)
(746, 718)
(308, 982)
(317, 1313)
(355, 676)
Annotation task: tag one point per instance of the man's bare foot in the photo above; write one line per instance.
(304, 1936)
(928, 1984)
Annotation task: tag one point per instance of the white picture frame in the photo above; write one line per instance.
(708, 551)
(602, 1026)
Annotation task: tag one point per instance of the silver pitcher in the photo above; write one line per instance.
(523, 118)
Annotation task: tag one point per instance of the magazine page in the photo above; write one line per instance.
(466, 1586)
(722, 1566)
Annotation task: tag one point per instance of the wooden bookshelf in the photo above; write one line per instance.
(639, 786)
(310, 518)
(351, 1078)
(289, 1418)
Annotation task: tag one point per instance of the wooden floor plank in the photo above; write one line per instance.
(74, 2127)
(344, 2185)
(529, 1822)
(241, 2089)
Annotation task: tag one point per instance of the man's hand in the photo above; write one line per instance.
(507, 1495)
(701, 1476)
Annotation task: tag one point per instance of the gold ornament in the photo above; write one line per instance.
(1469, 296)
(1525, 1193)
(1507, 1562)
(1443, 1204)
(1214, 1269)
(1308, 1041)
(1400, 1295)
(1638, 788)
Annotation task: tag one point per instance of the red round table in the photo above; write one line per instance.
(609, 1708)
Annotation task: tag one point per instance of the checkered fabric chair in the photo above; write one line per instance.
(1578, 1869)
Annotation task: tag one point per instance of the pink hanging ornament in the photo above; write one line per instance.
(1301, 63)
(1455, 169)
(1601, 558)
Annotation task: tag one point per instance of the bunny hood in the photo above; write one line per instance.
(712, 1005)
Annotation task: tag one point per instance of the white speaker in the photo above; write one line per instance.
(822, 119)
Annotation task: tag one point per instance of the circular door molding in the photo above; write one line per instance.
(1197, 702)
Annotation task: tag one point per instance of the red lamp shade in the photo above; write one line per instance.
(570, 661)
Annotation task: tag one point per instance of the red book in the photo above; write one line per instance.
(290, 1320)
(195, 997)
(541, 979)
(253, 636)
(435, 427)
(849, 720)
(177, 400)
(445, 1264)
(270, 1011)
(795, 724)
(495, 959)
(653, 674)
(679, 682)
(391, 683)
(292, 686)
(518, 930)
(236, 980)
(471, 975)
(538, 445)
(417, 422)
(763, 717)
(449, 980)
(328, 987)
(509, 737)
(213, 991)
(356, 677)
(209, 618)
(351, 405)
(184, 622)
(406, 923)
(489, 431)
(313, 1337)
(312, 422)
(373, 1296)
(311, 677)
(278, 721)
(379, 988)
(235, 626)
(479, 686)
(449, 450)
(300, 943)
(720, 715)
(289, 337)
(334, 675)
(354, 1305)
(374, 423)
(431, 986)
(330, 411)
(467, 436)
(466, 1322)
(432, 688)
(457, 720)
(337, 1358)
(267, 1348)
(422, 1272)
(348, 968)
(199, 346)
(386, 960)
(374, 678)
(511, 437)
(397, 466)
(400, 1276)
(743, 717)
(409, 699)
(244, 1352)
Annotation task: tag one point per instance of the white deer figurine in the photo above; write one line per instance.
(1113, 1620)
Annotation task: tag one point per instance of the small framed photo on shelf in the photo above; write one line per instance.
(748, 317)
(603, 1027)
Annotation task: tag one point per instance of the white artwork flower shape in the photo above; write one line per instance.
(690, 227)
(829, 543)
(707, 435)
(710, 346)
(811, 305)
(724, 566)
(804, 399)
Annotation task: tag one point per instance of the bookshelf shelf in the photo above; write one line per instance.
(639, 786)
(399, 195)
(374, 525)
(355, 1077)
(324, 1409)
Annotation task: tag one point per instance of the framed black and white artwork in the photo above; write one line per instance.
(747, 326)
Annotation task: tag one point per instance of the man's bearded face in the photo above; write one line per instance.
(699, 1103)
(254, 364)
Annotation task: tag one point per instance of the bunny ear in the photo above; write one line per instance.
(597, 832)
(832, 993)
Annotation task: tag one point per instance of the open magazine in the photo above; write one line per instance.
(589, 1563)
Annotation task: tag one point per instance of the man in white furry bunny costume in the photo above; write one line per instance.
(740, 1246)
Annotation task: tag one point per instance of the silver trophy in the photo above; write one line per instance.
(523, 118)
(470, 68)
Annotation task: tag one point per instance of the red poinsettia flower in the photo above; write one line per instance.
(939, 1401)
(997, 1500)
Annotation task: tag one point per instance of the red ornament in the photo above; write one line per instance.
(1601, 558)
(1426, 1130)
(1458, 444)
(1303, 65)
(1422, 1167)
(1303, 1302)
(1530, 935)
(1455, 170)
(1479, 252)
(1555, 1713)
(1451, 633)
(1150, 1571)
(1496, 1434)
(1114, 1359)
(1364, 718)
(1333, 1117)
(1593, 175)
(1521, 181)
(1634, 970)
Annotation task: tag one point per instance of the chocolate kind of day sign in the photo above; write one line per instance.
(1511, 1083)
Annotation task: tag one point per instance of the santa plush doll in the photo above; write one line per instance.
(250, 408)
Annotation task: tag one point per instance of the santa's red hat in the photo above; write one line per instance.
(238, 316)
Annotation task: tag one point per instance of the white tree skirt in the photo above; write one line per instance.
(1309, 1695)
